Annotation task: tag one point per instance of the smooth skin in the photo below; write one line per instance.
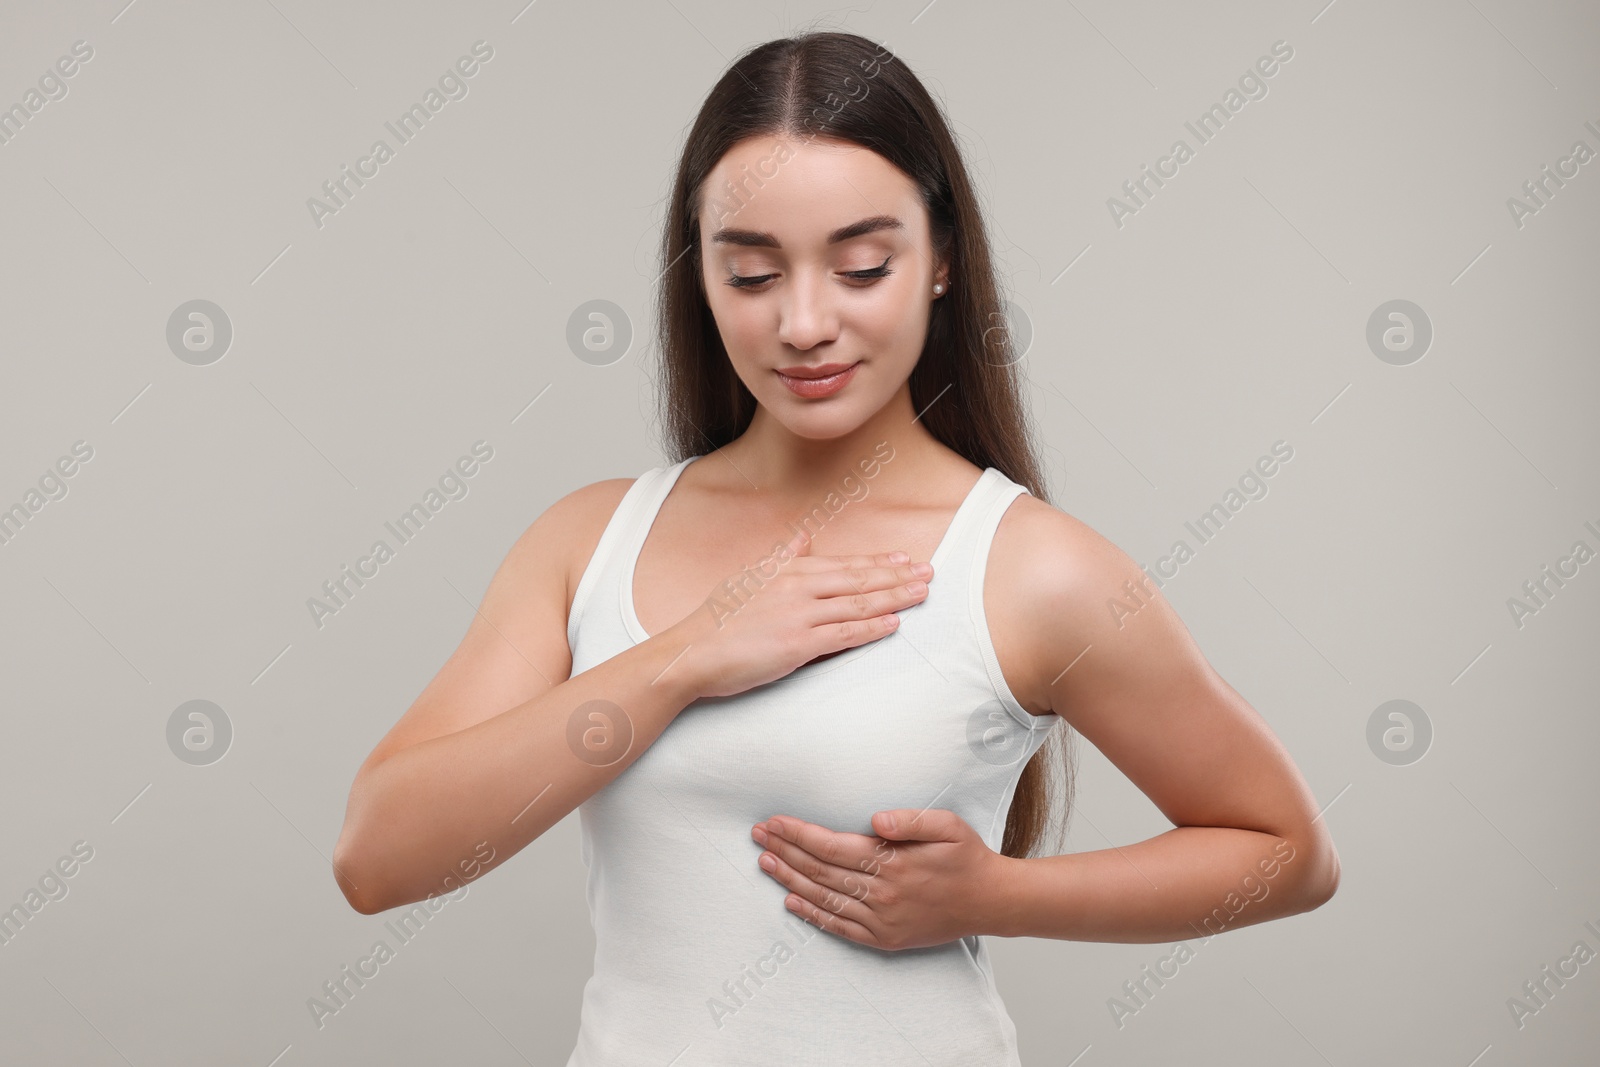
(1248, 843)
(1141, 691)
(505, 741)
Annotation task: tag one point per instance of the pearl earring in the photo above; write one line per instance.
(939, 288)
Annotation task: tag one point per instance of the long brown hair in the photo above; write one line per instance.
(846, 88)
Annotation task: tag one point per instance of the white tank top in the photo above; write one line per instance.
(697, 960)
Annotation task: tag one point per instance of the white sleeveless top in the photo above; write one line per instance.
(697, 960)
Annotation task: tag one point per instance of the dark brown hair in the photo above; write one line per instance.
(842, 87)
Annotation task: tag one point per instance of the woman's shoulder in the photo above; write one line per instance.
(583, 511)
(566, 534)
(1052, 545)
(1050, 587)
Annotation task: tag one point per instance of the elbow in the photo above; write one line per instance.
(1330, 884)
(354, 880)
(360, 896)
(353, 869)
(1321, 880)
(1318, 893)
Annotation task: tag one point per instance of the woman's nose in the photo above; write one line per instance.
(808, 316)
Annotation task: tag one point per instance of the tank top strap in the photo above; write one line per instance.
(622, 538)
(967, 543)
(654, 485)
(999, 494)
(997, 497)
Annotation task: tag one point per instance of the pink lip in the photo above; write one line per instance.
(823, 380)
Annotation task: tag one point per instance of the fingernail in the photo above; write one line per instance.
(898, 557)
(767, 862)
(760, 835)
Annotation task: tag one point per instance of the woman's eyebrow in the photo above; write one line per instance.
(761, 239)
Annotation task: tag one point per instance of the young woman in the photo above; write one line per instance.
(807, 797)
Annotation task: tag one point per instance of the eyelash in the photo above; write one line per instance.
(870, 275)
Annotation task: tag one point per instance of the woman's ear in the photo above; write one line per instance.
(941, 280)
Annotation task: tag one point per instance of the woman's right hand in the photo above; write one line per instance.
(754, 629)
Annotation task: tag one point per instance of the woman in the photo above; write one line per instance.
(806, 797)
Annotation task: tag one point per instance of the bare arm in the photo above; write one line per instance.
(488, 757)
(1248, 843)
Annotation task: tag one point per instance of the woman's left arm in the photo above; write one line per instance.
(1113, 659)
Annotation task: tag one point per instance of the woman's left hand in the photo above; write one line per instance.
(926, 879)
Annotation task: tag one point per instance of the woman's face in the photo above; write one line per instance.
(821, 259)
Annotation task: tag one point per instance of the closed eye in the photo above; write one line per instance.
(870, 275)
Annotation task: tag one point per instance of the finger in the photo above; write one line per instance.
(853, 883)
(791, 877)
(847, 580)
(913, 824)
(858, 571)
(852, 633)
(834, 847)
(848, 929)
(869, 604)
(823, 564)
(800, 543)
(823, 907)
(896, 558)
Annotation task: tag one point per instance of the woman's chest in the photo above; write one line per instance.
(830, 743)
(688, 565)
(688, 558)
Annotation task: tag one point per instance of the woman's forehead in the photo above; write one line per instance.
(803, 192)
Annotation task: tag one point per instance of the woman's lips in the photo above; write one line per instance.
(812, 388)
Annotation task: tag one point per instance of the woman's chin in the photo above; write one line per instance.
(818, 426)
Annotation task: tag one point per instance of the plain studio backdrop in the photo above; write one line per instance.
(1385, 259)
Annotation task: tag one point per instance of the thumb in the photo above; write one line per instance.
(910, 824)
(798, 545)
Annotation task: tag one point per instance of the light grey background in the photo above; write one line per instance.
(429, 313)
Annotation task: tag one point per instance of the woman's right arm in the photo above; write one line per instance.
(481, 764)
(503, 743)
